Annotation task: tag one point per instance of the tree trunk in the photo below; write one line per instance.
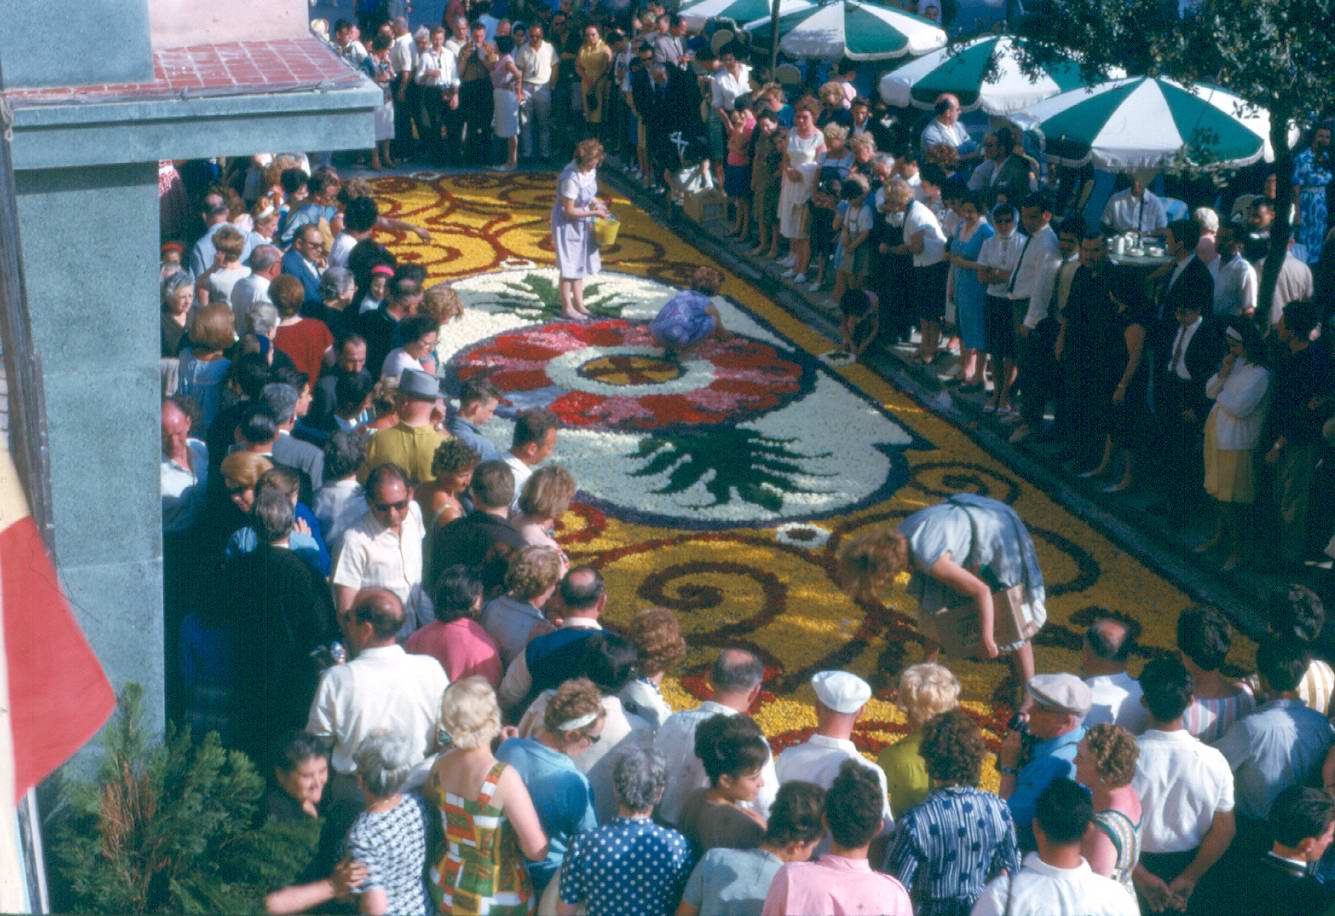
(773, 37)
(1281, 230)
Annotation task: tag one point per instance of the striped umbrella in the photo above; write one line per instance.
(698, 13)
(1145, 122)
(855, 29)
(967, 72)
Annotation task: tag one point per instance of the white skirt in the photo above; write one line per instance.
(384, 121)
(505, 120)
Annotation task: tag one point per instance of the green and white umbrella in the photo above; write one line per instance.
(854, 29)
(1149, 123)
(968, 72)
(739, 11)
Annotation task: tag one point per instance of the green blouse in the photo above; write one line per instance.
(905, 773)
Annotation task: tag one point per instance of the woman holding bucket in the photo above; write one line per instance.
(975, 575)
(577, 206)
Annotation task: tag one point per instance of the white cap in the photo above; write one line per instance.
(840, 691)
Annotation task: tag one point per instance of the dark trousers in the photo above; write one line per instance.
(402, 144)
(452, 128)
(1039, 375)
(475, 104)
(426, 114)
(1180, 451)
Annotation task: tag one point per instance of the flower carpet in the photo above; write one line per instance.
(721, 486)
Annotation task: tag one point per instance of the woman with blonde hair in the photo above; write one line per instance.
(1105, 763)
(658, 641)
(441, 304)
(576, 207)
(546, 497)
(925, 690)
(572, 723)
(487, 815)
(959, 552)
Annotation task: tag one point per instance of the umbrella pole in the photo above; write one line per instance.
(773, 37)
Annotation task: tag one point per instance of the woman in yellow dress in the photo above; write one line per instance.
(594, 66)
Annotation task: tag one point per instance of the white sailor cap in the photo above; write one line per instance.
(841, 691)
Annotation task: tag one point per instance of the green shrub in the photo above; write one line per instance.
(170, 827)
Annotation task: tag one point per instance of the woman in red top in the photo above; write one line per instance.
(305, 340)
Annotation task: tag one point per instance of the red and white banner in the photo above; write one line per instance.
(54, 695)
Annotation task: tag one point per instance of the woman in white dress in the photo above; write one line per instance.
(507, 93)
(378, 67)
(805, 143)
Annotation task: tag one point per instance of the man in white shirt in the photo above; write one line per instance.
(1135, 209)
(840, 699)
(1293, 284)
(383, 688)
(1108, 645)
(1030, 290)
(185, 471)
(384, 549)
(981, 177)
(403, 58)
(539, 67)
(534, 440)
(226, 270)
(1056, 880)
(265, 264)
(946, 130)
(1186, 795)
(1235, 283)
(736, 679)
(437, 78)
(999, 255)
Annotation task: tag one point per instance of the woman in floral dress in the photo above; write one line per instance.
(1311, 174)
(487, 816)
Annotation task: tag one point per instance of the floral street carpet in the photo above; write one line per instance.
(722, 485)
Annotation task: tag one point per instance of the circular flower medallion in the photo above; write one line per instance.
(609, 374)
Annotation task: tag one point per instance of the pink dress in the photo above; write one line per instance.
(835, 885)
(461, 646)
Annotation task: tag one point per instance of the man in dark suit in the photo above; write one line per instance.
(282, 400)
(668, 100)
(1281, 882)
(1188, 351)
(350, 359)
(466, 541)
(1189, 280)
(303, 261)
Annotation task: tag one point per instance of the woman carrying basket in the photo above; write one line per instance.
(974, 572)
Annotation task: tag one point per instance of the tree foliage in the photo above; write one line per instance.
(1276, 54)
(170, 827)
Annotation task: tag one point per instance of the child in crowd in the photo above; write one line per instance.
(823, 206)
(852, 257)
(739, 124)
(860, 310)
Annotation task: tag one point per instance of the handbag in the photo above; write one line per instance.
(957, 624)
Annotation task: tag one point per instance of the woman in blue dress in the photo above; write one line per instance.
(576, 206)
(689, 317)
(969, 548)
(1311, 174)
(967, 290)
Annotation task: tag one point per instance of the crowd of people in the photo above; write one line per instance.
(1165, 378)
(366, 590)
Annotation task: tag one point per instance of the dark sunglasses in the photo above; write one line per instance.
(399, 506)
